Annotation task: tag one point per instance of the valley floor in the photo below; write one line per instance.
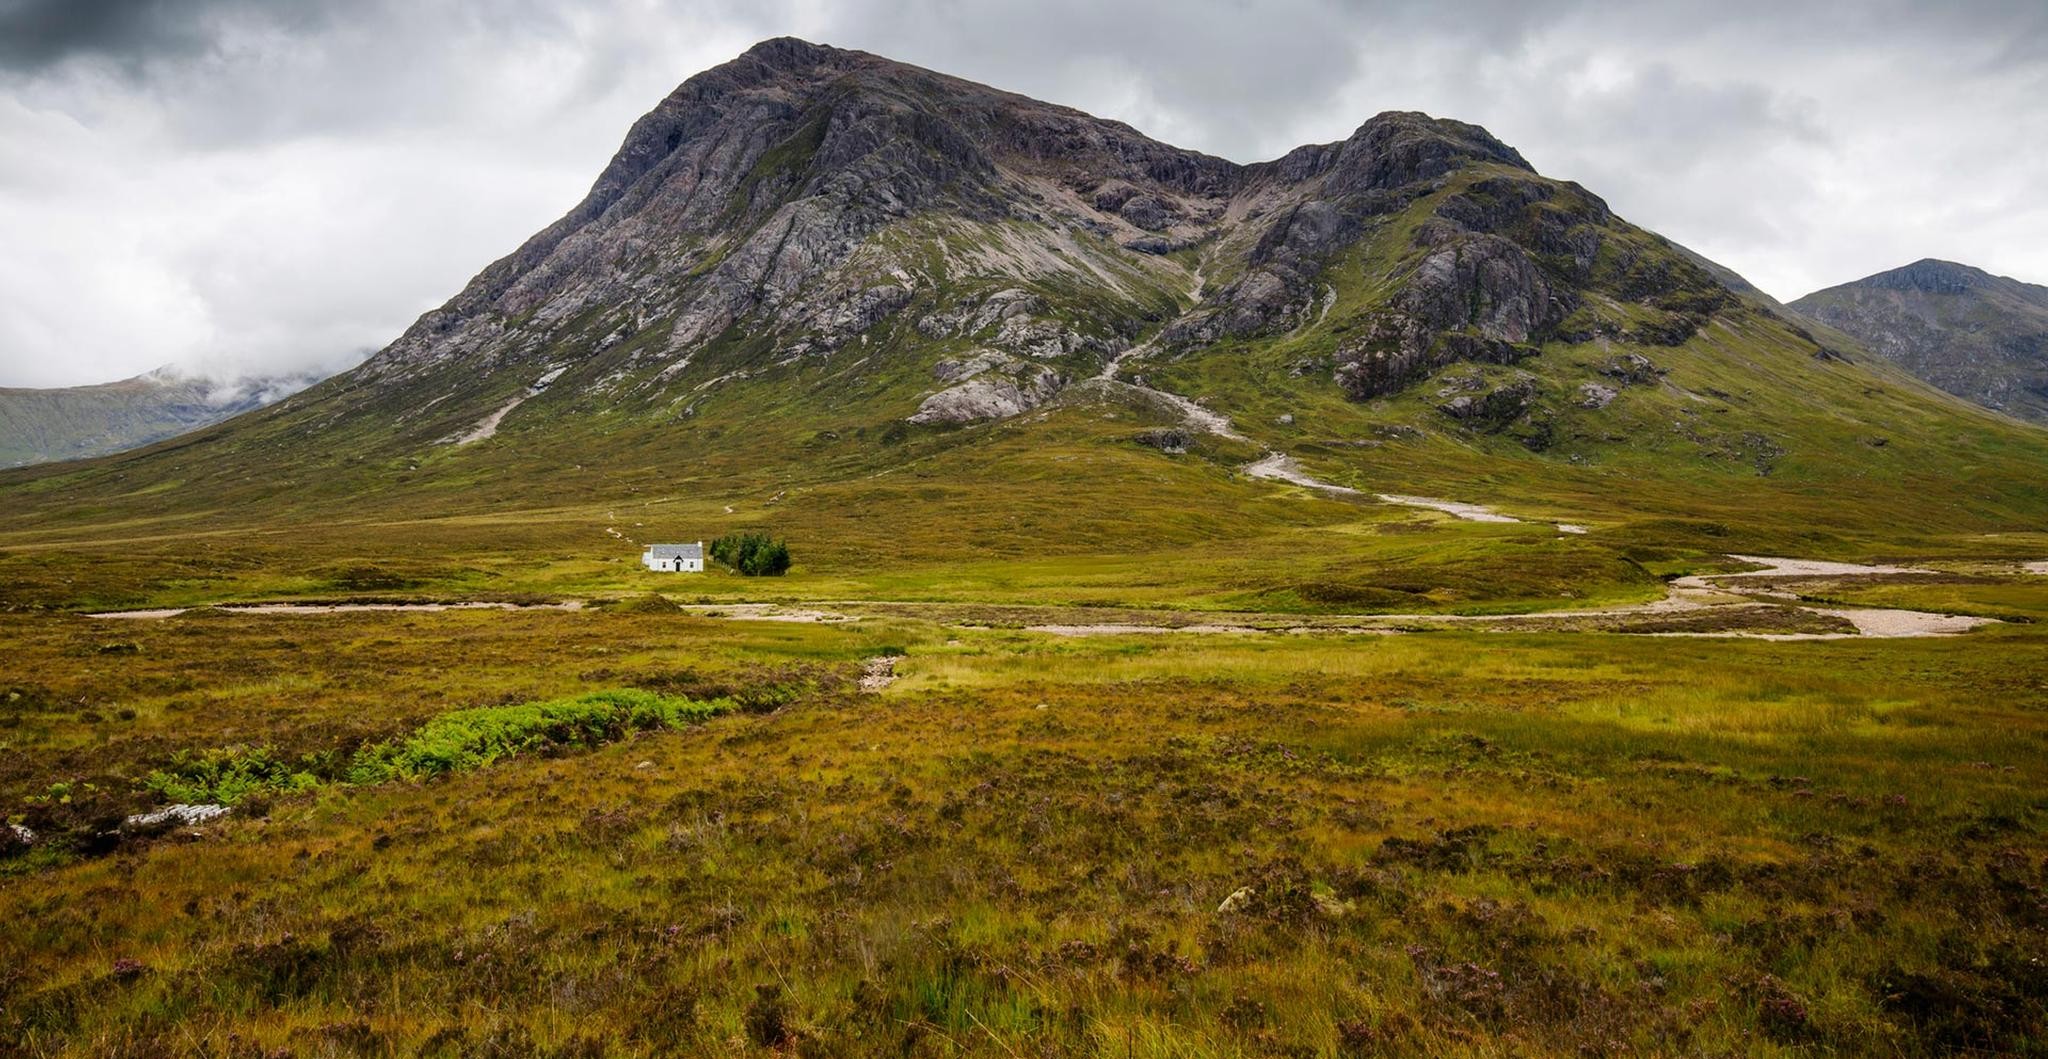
(1756, 603)
(935, 831)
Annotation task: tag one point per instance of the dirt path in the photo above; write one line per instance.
(1132, 628)
(1468, 512)
(1773, 567)
(764, 612)
(1195, 295)
(1279, 466)
(1192, 413)
(337, 608)
(1691, 594)
(487, 427)
(1895, 623)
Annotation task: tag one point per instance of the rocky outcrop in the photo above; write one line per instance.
(1495, 408)
(1516, 406)
(991, 385)
(1631, 369)
(1173, 442)
(992, 398)
(1007, 320)
(1475, 297)
(851, 315)
(1147, 212)
(172, 816)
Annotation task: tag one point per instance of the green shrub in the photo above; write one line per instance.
(650, 603)
(228, 775)
(364, 577)
(752, 553)
(474, 738)
(464, 739)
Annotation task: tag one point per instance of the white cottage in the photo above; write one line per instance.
(674, 558)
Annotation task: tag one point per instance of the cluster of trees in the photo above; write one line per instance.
(752, 553)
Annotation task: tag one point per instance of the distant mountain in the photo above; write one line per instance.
(1976, 335)
(73, 422)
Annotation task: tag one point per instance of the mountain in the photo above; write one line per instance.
(915, 319)
(779, 208)
(73, 422)
(1973, 334)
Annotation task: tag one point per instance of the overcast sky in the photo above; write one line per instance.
(270, 185)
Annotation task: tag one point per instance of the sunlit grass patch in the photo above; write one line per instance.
(474, 738)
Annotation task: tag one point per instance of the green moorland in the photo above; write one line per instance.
(635, 831)
(1063, 509)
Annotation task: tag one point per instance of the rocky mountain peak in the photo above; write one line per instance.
(801, 199)
(1391, 149)
(1931, 276)
(1401, 147)
(794, 53)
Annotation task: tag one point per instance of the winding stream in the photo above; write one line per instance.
(1693, 593)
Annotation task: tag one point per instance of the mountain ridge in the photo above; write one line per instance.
(1977, 335)
(991, 157)
(649, 154)
(1937, 276)
(51, 424)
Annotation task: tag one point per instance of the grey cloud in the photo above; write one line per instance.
(38, 33)
(134, 34)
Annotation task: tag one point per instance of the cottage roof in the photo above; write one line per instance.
(675, 551)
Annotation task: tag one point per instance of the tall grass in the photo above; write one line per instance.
(1457, 844)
